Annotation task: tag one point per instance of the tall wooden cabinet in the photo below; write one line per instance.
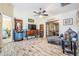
(41, 30)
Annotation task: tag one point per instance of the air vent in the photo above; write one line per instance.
(64, 4)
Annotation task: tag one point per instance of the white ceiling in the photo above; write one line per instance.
(51, 8)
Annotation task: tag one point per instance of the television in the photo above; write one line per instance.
(31, 26)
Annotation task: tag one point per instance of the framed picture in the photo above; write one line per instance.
(68, 21)
(18, 24)
(30, 20)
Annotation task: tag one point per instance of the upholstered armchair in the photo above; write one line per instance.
(17, 36)
(69, 42)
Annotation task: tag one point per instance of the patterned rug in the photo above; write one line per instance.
(35, 47)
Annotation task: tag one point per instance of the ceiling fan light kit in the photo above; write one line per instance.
(40, 13)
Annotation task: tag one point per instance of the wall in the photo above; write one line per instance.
(0, 30)
(20, 15)
(71, 14)
(41, 21)
(60, 17)
(66, 15)
(24, 16)
(6, 8)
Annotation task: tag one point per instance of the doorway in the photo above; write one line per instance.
(52, 28)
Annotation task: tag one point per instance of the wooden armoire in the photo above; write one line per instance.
(41, 30)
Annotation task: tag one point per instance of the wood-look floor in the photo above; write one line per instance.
(37, 47)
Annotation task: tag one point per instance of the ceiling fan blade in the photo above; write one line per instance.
(45, 14)
(40, 8)
(34, 12)
(40, 12)
(37, 12)
(44, 11)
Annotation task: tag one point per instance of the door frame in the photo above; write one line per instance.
(50, 22)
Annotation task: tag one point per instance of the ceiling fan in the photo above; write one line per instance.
(64, 4)
(40, 12)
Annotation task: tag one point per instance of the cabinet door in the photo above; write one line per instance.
(41, 27)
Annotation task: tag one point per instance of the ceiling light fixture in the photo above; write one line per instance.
(40, 16)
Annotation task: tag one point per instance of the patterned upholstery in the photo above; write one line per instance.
(69, 41)
(17, 36)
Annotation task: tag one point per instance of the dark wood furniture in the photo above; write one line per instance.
(41, 30)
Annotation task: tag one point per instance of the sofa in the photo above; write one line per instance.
(53, 40)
